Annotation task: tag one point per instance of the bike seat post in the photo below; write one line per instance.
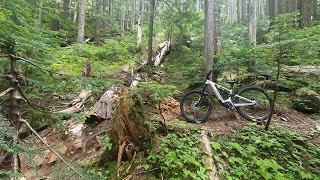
(231, 83)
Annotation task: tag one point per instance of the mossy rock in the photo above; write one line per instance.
(308, 101)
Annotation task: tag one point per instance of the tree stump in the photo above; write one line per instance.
(129, 132)
(87, 69)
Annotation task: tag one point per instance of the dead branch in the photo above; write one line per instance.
(6, 91)
(14, 57)
(51, 149)
(3, 76)
(77, 103)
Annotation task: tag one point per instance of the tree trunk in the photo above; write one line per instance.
(132, 17)
(163, 49)
(122, 19)
(305, 13)
(216, 27)
(139, 34)
(253, 22)
(276, 7)
(82, 16)
(98, 14)
(66, 9)
(244, 10)
(292, 6)
(271, 9)
(103, 108)
(110, 7)
(315, 8)
(198, 5)
(128, 18)
(151, 19)
(208, 29)
(104, 14)
(239, 10)
(129, 132)
(75, 13)
(55, 26)
(40, 14)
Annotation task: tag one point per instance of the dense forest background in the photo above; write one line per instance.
(60, 58)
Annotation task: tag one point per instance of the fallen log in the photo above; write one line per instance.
(209, 162)
(102, 109)
(77, 103)
(163, 49)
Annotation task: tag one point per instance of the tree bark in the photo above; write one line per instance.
(66, 9)
(55, 26)
(104, 14)
(163, 49)
(139, 34)
(216, 27)
(75, 12)
(198, 5)
(239, 11)
(253, 22)
(271, 9)
(122, 19)
(276, 7)
(315, 8)
(208, 44)
(132, 17)
(82, 16)
(292, 6)
(305, 13)
(209, 162)
(40, 14)
(98, 14)
(151, 19)
(102, 109)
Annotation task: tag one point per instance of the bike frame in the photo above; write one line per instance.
(214, 87)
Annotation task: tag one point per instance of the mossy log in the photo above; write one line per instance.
(129, 132)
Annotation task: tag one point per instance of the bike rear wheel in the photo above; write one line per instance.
(195, 106)
(261, 110)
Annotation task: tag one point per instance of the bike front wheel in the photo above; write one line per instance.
(259, 110)
(195, 106)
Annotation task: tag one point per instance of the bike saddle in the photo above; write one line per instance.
(232, 82)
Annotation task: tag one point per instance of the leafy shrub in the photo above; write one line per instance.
(277, 154)
(153, 91)
(178, 157)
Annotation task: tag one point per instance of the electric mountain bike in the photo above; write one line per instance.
(252, 102)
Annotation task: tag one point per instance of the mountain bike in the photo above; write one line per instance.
(252, 102)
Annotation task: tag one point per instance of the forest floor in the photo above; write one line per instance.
(85, 145)
(82, 143)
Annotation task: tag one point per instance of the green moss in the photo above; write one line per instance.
(306, 92)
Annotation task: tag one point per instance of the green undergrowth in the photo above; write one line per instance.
(277, 154)
(113, 54)
(177, 155)
(184, 67)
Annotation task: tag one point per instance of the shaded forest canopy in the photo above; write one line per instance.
(64, 63)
